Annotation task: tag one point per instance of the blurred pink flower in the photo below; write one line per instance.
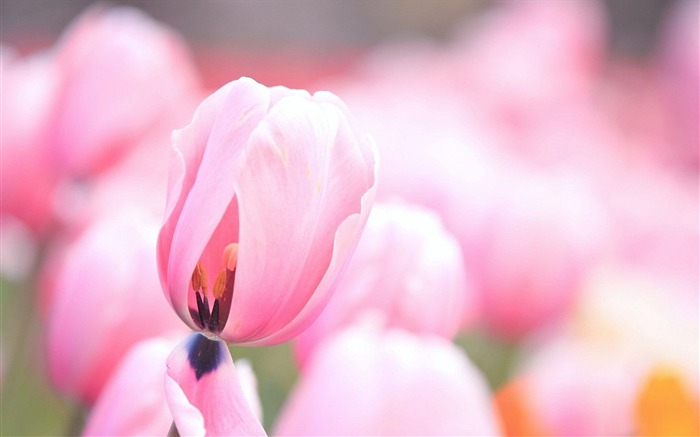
(134, 400)
(115, 79)
(269, 187)
(544, 235)
(103, 298)
(408, 267)
(366, 380)
(588, 378)
(120, 73)
(511, 52)
(205, 393)
(28, 177)
(573, 389)
(529, 229)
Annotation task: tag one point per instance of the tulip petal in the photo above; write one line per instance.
(407, 266)
(367, 381)
(204, 391)
(216, 138)
(299, 179)
(133, 402)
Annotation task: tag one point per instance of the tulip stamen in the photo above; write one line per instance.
(222, 291)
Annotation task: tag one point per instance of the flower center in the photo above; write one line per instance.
(214, 319)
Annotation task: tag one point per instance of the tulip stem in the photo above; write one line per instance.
(76, 421)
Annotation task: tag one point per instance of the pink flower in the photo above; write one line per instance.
(268, 194)
(369, 381)
(28, 177)
(541, 239)
(120, 73)
(205, 392)
(134, 400)
(408, 267)
(103, 298)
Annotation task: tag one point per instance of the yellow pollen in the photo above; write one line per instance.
(230, 257)
(220, 284)
(199, 278)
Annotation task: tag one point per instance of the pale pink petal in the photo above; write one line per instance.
(344, 244)
(133, 400)
(366, 381)
(302, 174)
(406, 266)
(28, 93)
(120, 72)
(204, 391)
(249, 385)
(104, 298)
(209, 149)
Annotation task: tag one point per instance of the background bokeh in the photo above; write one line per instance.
(292, 43)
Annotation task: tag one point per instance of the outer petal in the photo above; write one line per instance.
(406, 266)
(104, 299)
(133, 401)
(302, 174)
(367, 382)
(206, 155)
(204, 391)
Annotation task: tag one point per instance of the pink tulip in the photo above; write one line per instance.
(408, 267)
(29, 87)
(120, 73)
(104, 299)
(134, 402)
(204, 391)
(587, 379)
(543, 236)
(369, 381)
(574, 389)
(269, 191)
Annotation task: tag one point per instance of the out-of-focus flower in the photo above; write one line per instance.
(568, 388)
(119, 74)
(541, 239)
(651, 318)
(28, 178)
(133, 401)
(594, 377)
(408, 267)
(103, 299)
(205, 393)
(511, 57)
(115, 79)
(665, 406)
(529, 230)
(269, 191)
(366, 380)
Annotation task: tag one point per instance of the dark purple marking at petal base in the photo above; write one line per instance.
(204, 355)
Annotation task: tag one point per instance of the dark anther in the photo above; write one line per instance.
(204, 355)
(199, 320)
(214, 319)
